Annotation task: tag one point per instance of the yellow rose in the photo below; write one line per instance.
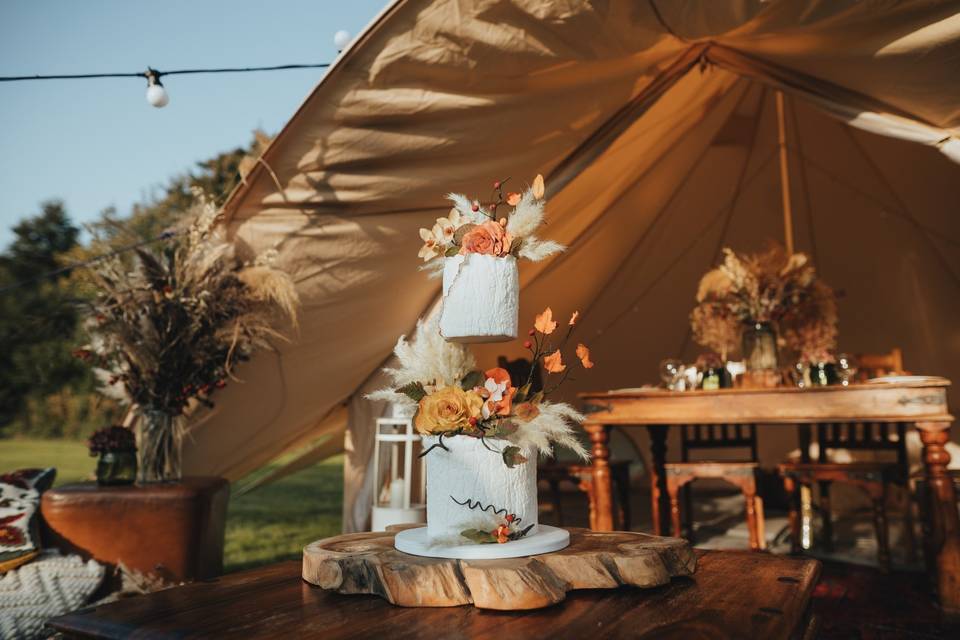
(447, 409)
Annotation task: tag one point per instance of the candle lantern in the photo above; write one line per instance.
(398, 472)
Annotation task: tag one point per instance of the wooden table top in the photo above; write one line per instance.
(916, 400)
(732, 595)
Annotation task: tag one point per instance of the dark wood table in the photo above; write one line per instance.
(922, 403)
(732, 595)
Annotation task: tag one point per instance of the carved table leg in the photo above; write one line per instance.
(602, 519)
(658, 478)
(793, 495)
(944, 522)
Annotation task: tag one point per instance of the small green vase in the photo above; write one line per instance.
(117, 468)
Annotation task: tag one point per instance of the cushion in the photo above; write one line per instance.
(19, 508)
(50, 586)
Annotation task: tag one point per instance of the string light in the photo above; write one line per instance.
(157, 94)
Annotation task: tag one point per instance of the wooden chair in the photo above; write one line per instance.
(741, 474)
(873, 477)
(581, 476)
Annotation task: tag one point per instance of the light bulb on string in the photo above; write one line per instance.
(156, 94)
(341, 39)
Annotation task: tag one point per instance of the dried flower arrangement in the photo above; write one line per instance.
(168, 329)
(767, 287)
(810, 329)
(452, 398)
(113, 439)
(472, 227)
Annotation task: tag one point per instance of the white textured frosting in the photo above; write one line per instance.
(471, 471)
(481, 298)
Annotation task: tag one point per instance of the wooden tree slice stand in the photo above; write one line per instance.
(367, 563)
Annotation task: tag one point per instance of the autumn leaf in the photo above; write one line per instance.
(513, 199)
(478, 536)
(512, 456)
(526, 411)
(471, 380)
(538, 187)
(583, 352)
(573, 318)
(553, 363)
(545, 323)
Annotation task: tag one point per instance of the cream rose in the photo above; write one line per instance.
(447, 409)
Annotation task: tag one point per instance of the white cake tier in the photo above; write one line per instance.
(469, 471)
(481, 298)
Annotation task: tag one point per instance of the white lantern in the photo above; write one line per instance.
(398, 472)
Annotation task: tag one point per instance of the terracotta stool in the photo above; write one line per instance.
(172, 530)
(739, 474)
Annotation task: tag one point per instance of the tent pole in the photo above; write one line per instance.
(784, 175)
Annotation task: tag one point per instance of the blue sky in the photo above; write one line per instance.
(97, 143)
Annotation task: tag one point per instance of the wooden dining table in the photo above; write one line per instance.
(921, 402)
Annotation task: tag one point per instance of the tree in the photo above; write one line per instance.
(39, 321)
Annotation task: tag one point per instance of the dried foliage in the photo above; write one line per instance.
(170, 327)
(769, 286)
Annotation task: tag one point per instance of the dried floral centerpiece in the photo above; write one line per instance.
(479, 245)
(168, 329)
(482, 430)
(759, 294)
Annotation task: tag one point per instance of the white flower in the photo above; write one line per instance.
(493, 392)
(430, 248)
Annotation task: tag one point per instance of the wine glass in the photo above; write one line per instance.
(671, 370)
(846, 368)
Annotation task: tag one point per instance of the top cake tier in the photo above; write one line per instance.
(481, 298)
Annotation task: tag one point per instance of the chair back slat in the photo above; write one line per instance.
(718, 436)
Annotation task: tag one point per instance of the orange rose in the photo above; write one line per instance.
(488, 238)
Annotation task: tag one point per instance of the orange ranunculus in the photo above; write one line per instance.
(497, 392)
(553, 363)
(573, 318)
(488, 238)
(583, 352)
(502, 533)
(545, 323)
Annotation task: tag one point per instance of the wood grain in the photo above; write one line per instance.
(732, 595)
(367, 563)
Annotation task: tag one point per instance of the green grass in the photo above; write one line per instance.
(267, 525)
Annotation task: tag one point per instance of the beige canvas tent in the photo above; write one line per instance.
(655, 124)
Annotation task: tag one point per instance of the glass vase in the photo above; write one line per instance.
(759, 342)
(158, 450)
(117, 468)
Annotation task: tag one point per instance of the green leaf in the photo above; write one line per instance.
(413, 390)
(452, 251)
(478, 536)
(521, 394)
(462, 231)
(519, 534)
(515, 247)
(471, 380)
(512, 456)
(503, 429)
(537, 398)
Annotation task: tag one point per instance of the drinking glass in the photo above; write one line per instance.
(671, 370)
(846, 368)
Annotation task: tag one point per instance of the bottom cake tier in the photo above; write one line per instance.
(474, 497)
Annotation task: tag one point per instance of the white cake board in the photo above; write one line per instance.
(545, 540)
